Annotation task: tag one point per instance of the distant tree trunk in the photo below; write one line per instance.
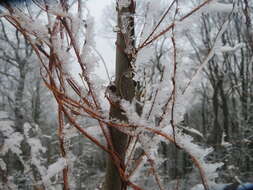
(14, 164)
(216, 134)
(225, 111)
(204, 108)
(36, 102)
(125, 89)
(19, 118)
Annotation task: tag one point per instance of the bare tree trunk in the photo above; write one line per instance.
(125, 89)
(19, 118)
(12, 159)
(225, 111)
(216, 134)
(36, 102)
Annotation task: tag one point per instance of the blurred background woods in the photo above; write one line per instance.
(220, 114)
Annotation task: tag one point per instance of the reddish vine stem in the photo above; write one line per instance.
(62, 148)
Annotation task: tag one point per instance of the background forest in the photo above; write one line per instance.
(214, 63)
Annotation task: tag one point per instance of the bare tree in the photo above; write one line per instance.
(16, 54)
(226, 106)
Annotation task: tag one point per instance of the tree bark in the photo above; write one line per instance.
(125, 89)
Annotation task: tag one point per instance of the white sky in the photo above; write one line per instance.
(104, 46)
